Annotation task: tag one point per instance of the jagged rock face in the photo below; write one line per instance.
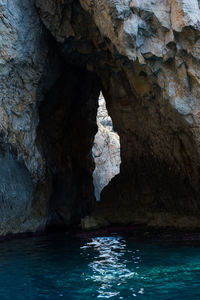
(23, 53)
(147, 57)
(105, 150)
(41, 117)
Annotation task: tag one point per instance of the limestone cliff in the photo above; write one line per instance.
(105, 150)
(145, 56)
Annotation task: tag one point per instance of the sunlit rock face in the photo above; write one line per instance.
(105, 150)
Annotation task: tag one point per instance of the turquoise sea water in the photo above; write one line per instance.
(56, 267)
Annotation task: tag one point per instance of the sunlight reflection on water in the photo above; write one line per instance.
(57, 268)
(109, 266)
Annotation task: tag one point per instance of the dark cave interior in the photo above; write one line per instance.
(156, 162)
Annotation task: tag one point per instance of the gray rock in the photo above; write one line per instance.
(145, 56)
(16, 190)
(23, 53)
(106, 150)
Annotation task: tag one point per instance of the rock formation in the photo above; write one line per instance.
(23, 56)
(105, 150)
(145, 57)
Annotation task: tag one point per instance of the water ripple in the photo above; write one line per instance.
(109, 267)
(56, 267)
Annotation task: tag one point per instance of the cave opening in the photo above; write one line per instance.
(65, 136)
(144, 187)
(152, 95)
(105, 150)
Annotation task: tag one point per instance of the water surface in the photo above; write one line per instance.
(57, 267)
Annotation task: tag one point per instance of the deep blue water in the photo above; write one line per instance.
(98, 268)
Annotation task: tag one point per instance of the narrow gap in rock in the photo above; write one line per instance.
(105, 150)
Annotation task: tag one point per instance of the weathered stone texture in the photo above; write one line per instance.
(146, 55)
(23, 52)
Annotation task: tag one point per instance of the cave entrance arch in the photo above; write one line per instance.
(157, 160)
(152, 95)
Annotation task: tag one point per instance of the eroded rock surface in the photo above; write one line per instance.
(35, 183)
(23, 53)
(145, 56)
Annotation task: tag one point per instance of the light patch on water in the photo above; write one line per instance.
(56, 268)
(109, 266)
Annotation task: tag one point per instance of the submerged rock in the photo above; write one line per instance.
(90, 223)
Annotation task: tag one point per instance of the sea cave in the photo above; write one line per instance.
(100, 146)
